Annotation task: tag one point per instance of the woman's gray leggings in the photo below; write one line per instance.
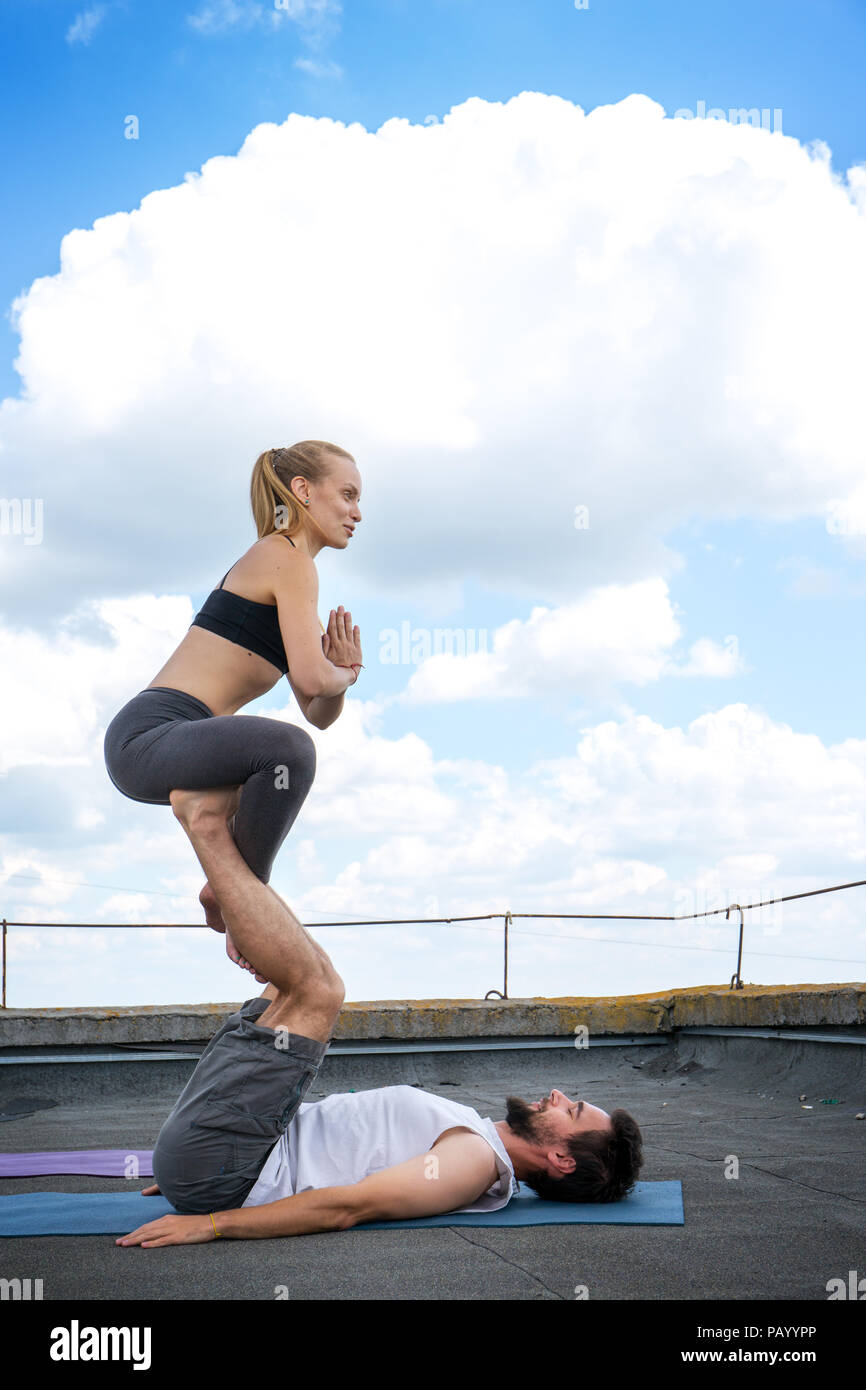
(163, 740)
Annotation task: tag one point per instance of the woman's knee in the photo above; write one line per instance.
(295, 761)
(303, 750)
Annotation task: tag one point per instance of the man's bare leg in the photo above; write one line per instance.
(313, 1017)
(265, 930)
(214, 919)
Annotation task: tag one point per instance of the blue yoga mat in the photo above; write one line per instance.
(118, 1213)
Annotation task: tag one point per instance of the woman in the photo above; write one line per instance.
(182, 732)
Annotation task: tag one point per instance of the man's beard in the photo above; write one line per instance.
(526, 1123)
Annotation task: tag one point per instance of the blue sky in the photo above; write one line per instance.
(197, 93)
(657, 318)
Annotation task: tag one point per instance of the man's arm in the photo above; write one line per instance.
(317, 1209)
(455, 1173)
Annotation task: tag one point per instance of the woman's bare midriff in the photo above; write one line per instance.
(223, 675)
(220, 673)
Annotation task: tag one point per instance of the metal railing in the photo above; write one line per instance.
(508, 918)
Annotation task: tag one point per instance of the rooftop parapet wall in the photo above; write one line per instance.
(765, 1006)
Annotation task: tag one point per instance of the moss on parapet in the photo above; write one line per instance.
(766, 1006)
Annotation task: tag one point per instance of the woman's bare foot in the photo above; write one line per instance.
(214, 918)
(196, 808)
(212, 910)
(199, 811)
(238, 959)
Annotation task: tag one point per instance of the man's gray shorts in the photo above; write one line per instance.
(247, 1085)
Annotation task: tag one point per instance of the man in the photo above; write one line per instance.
(241, 1157)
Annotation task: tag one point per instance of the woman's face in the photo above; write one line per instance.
(334, 501)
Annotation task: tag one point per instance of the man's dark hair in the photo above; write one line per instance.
(606, 1164)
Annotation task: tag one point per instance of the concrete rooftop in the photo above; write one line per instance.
(791, 1221)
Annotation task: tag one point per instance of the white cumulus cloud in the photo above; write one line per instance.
(622, 633)
(517, 311)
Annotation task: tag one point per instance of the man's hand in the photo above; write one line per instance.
(171, 1230)
(150, 1191)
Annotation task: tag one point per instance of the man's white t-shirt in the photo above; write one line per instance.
(340, 1140)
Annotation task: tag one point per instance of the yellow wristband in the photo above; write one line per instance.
(213, 1223)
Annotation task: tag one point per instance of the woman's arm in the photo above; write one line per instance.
(318, 710)
(323, 710)
(313, 676)
(340, 640)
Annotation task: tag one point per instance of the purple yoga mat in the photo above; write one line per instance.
(102, 1163)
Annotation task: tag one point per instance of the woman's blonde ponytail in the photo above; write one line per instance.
(275, 507)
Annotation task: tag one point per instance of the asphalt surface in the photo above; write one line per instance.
(791, 1221)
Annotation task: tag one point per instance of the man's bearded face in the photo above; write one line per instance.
(530, 1124)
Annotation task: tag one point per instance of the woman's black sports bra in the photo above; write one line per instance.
(252, 625)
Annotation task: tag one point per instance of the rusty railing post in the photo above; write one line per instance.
(504, 992)
(736, 976)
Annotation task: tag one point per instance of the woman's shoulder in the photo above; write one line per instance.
(291, 573)
(278, 546)
(276, 555)
(272, 569)
(288, 570)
